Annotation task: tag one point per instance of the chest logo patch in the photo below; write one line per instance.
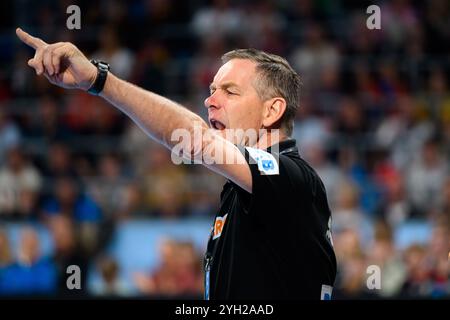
(218, 226)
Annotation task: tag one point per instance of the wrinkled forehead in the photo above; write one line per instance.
(239, 71)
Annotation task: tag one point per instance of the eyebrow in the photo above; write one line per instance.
(225, 85)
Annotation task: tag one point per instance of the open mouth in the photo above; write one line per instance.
(217, 124)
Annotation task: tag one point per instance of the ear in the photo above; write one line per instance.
(273, 111)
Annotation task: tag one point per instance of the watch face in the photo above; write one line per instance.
(103, 65)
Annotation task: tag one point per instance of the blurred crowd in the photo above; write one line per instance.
(374, 121)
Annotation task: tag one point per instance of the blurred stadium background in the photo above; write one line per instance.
(80, 184)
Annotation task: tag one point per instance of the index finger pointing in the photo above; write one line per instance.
(29, 40)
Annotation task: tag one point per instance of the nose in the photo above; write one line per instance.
(211, 101)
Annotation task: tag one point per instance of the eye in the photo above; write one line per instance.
(231, 92)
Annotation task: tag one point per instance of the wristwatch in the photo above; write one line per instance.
(102, 73)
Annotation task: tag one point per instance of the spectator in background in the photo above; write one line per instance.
(131, 204)
(203, 185)
(110, 284)
(114, 11)
(445, 199)
(350, 281)
(311, 128)
(426, 177)
(402, 132)
(427, 265)
(112, 51)
(151, 62)
(331, 175)
(435, 102)
(179, 273)
(219, 19)
(204, 64)
(189, 270)
(437, 26)
(366, 89)
(351, 122)
(352, 163)
(349, 215)
(58, 162)
(5, 251)
(86, 115)
(300, 10)
(150, 15)
(315, 56)
(330, 92)
(28, 209)
(395, 207)
(353, 277)
(262, 18)
(165, 185)
(389, 81)
(382, 253)
(16, 177)
(391, 129)
(135, 146)
(440, 277)
(438, 258)
(399, 18)
(161, 281)
(347, 243)
(69, 200)
(360, 42)
(31, 273)
(67, 251)
(107, 188)
(91, 117)
(46, 123)
(10, 136)
(21, 83)
(82, 165)
(417, 271)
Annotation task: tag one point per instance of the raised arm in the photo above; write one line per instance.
(64, 65)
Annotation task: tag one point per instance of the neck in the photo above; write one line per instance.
(269, 138)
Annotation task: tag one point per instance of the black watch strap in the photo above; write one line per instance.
(102, 73)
